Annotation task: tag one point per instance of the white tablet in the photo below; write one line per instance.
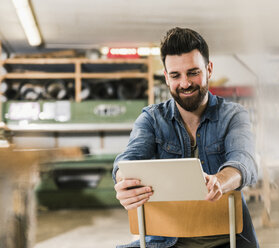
(171, 179)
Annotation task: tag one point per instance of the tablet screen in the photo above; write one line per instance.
(171, 179)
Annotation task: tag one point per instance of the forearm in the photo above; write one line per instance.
(240, 149)
(230, 179)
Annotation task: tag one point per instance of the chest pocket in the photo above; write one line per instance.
(216, 155)
(168, 150)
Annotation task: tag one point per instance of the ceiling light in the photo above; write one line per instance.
(27, 20)
(104, 50)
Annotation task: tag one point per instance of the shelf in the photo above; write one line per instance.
(65, 128)
(73, 61)
(115, 75)
(235, 91)
(57, 75)
(38, 75)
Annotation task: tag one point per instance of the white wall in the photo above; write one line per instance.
(229, 66)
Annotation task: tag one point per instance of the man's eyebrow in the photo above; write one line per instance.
(193, 69)
(189, 70)
(173, 72)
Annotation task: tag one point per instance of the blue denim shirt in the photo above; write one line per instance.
(223, 138)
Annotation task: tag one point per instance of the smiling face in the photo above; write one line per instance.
(187, 78)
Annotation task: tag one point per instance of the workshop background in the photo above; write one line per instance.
(75, 76)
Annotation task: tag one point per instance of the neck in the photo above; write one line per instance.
(193, 118)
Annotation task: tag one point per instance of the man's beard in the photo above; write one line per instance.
(190, 103)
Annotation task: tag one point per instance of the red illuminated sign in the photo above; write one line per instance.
(131, 53)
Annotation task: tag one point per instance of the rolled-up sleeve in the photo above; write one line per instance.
(141, 144)
(240, 149)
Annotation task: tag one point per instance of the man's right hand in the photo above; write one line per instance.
(131, 193)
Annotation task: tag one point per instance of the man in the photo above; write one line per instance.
(194, 123)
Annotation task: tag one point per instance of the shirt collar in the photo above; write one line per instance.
(209, 113)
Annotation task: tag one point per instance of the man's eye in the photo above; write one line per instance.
(195, 73)
(175, 76)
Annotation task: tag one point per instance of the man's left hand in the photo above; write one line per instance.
(214, 188)
(225, 180)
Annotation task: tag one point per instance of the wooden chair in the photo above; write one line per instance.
(189, 218)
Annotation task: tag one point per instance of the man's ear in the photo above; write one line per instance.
(166, 77)
(209, 69)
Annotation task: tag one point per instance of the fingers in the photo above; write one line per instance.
(126, 184)
(214, 188)
(131, 193)
(214, 194)
(136, 201)
(211, 181)
(217, 196)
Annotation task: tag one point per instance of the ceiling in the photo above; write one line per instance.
(232, 27)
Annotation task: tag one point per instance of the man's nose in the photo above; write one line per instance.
(185, 82)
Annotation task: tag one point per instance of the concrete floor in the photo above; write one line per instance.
(82, 228)
(107, 228)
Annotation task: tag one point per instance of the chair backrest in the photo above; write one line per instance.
(188, 218)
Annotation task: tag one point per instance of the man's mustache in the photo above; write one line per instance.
(190, 88)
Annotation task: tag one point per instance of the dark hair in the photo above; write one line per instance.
(183, 40)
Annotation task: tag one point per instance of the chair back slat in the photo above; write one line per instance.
(188, 218)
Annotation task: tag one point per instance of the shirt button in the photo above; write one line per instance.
(202, 162)
(198, 135)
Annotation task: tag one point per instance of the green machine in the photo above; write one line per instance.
(78, 183)
(82, 183)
